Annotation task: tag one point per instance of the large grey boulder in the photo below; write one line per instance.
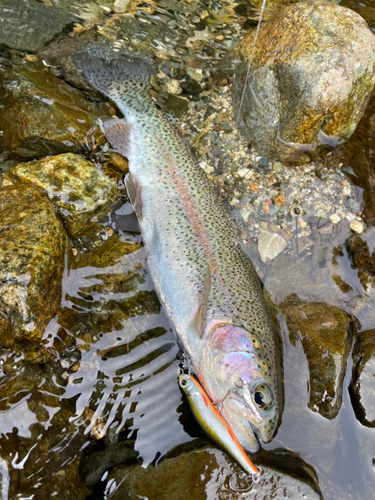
(310, 79)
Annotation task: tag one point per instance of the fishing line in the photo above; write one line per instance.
(251, 57)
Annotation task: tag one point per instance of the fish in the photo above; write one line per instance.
(213, 423)
(205, 281)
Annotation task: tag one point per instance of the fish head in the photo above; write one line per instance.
(187, 384)
(244, 382)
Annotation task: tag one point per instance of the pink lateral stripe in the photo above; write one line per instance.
(195, 222)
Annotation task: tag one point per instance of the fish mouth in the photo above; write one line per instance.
(236, 412)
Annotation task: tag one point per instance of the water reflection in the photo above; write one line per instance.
(129, 374)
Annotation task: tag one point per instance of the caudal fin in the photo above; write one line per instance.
(114, 74)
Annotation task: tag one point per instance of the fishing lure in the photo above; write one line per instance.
(213, 423)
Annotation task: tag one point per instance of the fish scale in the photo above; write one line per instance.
(188, 233)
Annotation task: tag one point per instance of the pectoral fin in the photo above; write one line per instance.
(134, 190)
(198, 323)
(118, 134)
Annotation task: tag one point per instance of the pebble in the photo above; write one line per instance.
(270, 245)
(65, 363)
(173, 87)
(335, 218)
(356, 226)
(244, 172)
(280, 200)
(245, 212)
(120, 6)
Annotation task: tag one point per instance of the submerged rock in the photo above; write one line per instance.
(37, 422)
(270, 245)
(359, 160)
(325, 334)
(362, 384)
(362, 255)
(77, 189)
(28, 25)
(201, 474)
(314, 281)
(32, 250)
(42, 115)
(112, 252)
(95, 465)
(59, 54)
(305, 90)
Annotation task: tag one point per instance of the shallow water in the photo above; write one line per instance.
(115, 377)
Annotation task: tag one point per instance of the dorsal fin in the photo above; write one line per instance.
(198, 323)
(134, 191)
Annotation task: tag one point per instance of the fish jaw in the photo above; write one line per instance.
(241, 385)
(231, 412)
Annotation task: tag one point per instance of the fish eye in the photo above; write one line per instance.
(183, 382)
(263, 397)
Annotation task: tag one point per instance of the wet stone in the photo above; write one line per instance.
(362, 386)
(310, 281)
(358, 160)
(42, 115)
(110, 253)
(176, 106)
(32, 250)
(78, 190)
(324, 331)
(193, 474)
(95, 465)
(191, 86)
(28, 25)
(59, 54)
(302, 65)
(270, 245)
(362, 253)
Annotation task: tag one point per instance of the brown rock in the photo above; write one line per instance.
(324, 333)
(32, 249)
(190, 475)
(280, 200)
(265, 207)
(42, 115)
(75, 186)
(362, 384)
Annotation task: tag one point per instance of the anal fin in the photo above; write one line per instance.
(118, 134)
(134, 191)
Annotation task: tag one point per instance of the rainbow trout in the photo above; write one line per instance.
(206, 282)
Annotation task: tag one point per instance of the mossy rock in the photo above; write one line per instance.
(32, 249)
(305, 91)
(79, 191)
(325, 334)
(362, 388)
(111, 252)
